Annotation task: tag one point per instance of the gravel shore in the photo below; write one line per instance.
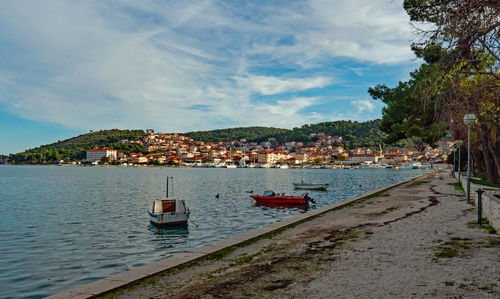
(411, 241)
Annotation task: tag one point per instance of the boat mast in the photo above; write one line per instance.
(172, 179)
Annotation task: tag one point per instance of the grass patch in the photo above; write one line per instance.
(418, 183)
(482, 180)
(493, 243)
(382, 193)
(457, 186)
(248, 258)
(354, 235)
(447, 252)
(486, 226)
(453, 248)
(449, 283)
(489, 288)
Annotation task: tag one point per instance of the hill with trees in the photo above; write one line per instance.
(354, 133)
(249, 133)
(74, 148)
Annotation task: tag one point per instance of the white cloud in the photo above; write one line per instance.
(269, 85)
(137, 64)
(366, 30)
(363, 105)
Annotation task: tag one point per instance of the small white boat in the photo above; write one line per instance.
(267, 165)
(230, 166)
(284, 166)
(406, 166)
(168, 211)
(307, 186)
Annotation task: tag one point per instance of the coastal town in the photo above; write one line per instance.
(323, 151)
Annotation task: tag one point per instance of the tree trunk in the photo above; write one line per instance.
(495, 153)
(489, 164)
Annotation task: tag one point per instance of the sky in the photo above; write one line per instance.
(68, 67)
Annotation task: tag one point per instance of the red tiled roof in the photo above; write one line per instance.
(101, 149)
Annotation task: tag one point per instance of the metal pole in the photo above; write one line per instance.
(459, 166)
(479, 206)
(167, 186)
(468, 163)
(454, 160)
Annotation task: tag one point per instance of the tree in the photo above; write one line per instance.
(459, 41)
(104, 160)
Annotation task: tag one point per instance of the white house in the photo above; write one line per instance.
(97, 154)
(360, 158)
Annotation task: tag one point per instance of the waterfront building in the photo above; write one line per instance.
(96, 154)
(392, 159)
(360, 158)
(361, 151)
(137, 159)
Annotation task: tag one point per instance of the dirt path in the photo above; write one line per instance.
(411, 241)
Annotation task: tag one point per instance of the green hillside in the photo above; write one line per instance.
(354, 133)
(74, 148)
(250, 133)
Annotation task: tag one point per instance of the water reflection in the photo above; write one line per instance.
(301, 208)
(175, 231)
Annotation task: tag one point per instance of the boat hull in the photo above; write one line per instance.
(281, 200)
(306, 186)
(168, 219)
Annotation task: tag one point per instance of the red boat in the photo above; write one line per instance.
(271, 198)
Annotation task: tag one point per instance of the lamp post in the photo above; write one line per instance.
(469, 119)
(454, 149)
(459, 145)
(459, 173)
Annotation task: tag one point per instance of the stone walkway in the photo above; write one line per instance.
(411, 241)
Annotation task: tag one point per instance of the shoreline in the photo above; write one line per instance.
(415, 240)
(134, 276)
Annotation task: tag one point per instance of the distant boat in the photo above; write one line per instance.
(267, 165)
(230, 166)
(419, 165)
(271, 198)
(284, 166)
(168, 211)
(406, 166)
(307, 186)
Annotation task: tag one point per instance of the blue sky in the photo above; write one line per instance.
(68, 67)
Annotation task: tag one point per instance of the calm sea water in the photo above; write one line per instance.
(61, 227)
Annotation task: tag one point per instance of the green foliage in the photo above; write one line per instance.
(74, 148)
(250, 133)
(354, 133)
(485, 225)
(457, 186)
(413, 107)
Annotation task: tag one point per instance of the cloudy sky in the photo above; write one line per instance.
(67, 67)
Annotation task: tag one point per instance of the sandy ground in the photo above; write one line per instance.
(412, 241)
